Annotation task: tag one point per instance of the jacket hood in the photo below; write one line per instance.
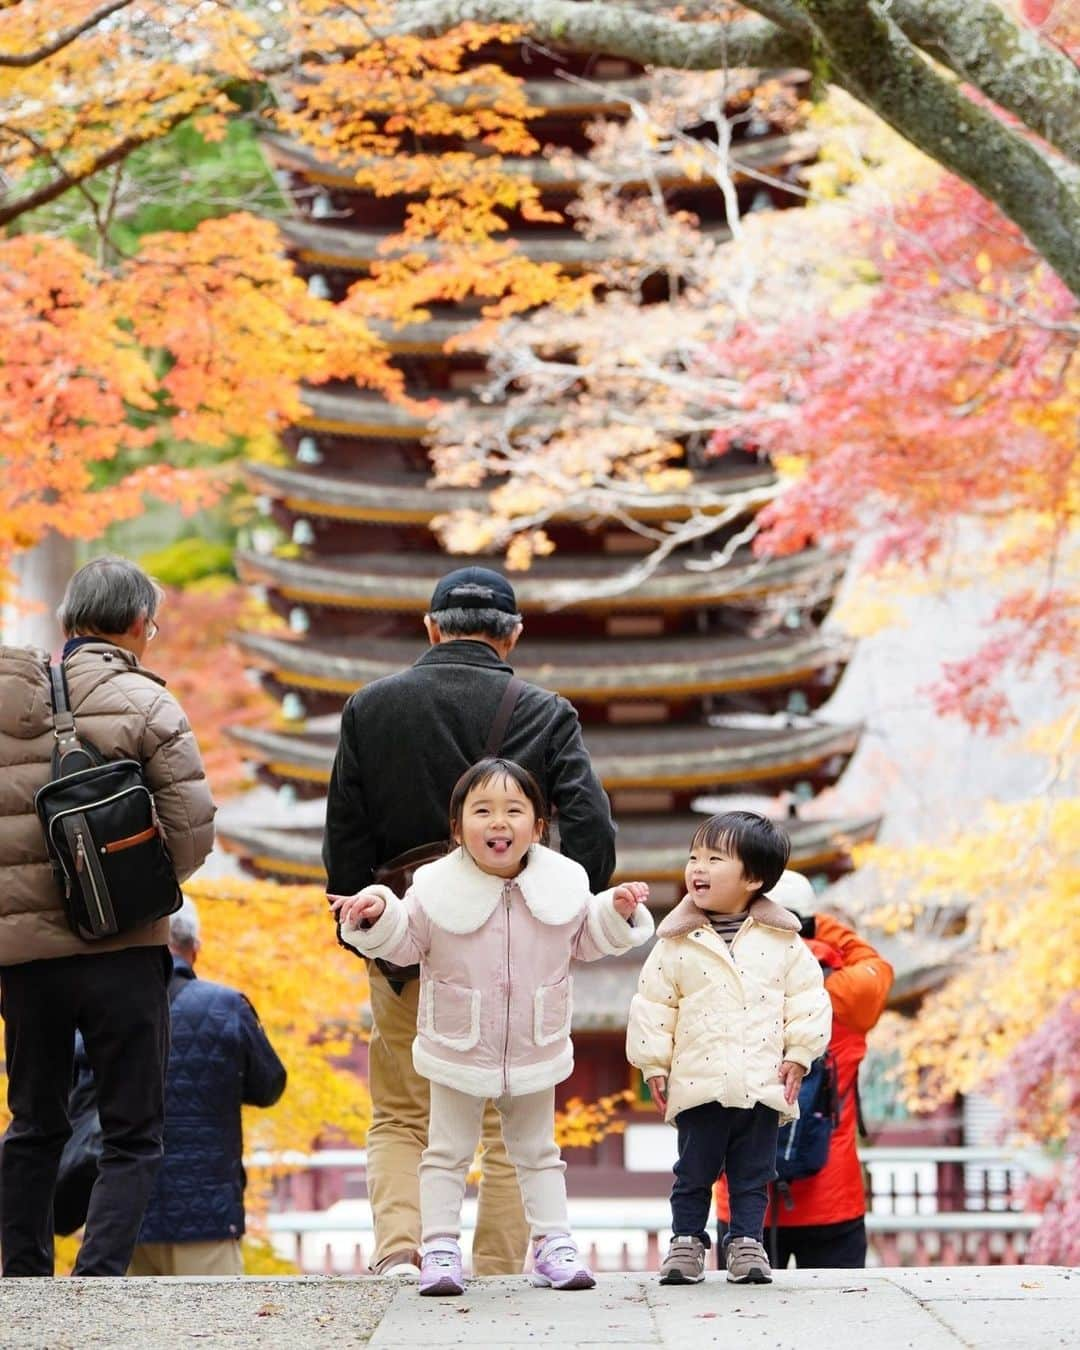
(25, 707)
(93, 653)
(686, 916)
(459, 898)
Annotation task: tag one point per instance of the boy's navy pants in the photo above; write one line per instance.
(715, 1139)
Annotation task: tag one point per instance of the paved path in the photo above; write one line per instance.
(1000, 1308)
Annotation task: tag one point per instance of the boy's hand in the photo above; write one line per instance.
(628, 896)
(791, 1075)
(356, 910)
(658, 1089)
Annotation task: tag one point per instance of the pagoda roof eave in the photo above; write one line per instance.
(563, 173)
(710, 758)
(354, 250)
(408, 498)
(403, 584)
(814, 844)
(604, 669)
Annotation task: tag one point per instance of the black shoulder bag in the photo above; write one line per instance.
(102, 833)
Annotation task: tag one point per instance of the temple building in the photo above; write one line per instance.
(683, 701)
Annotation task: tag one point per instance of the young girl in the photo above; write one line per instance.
(494, 926)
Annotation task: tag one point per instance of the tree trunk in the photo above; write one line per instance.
(42, 573)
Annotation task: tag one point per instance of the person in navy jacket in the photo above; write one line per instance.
(221, 1059)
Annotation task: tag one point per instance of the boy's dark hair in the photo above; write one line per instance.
(761, 845)
(483, 771)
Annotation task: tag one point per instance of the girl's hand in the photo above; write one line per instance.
(658, 1089)
(628, 896)
(791, 1075)
(354, 911)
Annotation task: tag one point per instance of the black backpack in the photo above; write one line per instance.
(102, 833)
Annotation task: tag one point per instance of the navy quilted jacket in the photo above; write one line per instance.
(220, 1058)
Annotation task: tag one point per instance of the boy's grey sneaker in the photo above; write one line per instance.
(685, 1262)
(747, 1262)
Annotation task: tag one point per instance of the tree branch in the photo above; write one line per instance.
(21, 60)
(64, 182)
(1007, 62)
(875, 61)
(616, 30)
(975, 39)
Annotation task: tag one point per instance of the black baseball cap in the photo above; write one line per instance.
(474, 588)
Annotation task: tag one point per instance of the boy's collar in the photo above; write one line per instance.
(686, 916)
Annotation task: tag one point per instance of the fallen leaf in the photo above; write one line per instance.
(270, 1310)
(1031, 1284)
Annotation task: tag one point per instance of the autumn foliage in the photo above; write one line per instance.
(206, 671)
(276, 944)
(204, 337)
(950, 394)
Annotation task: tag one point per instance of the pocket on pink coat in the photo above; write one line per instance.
(451, 1014)
(552, 1012)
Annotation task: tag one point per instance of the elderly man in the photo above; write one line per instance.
(405, 740)
(220, 1060)
(54, 983)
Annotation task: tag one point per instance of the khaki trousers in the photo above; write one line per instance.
(400, 1104)
(187, 1258)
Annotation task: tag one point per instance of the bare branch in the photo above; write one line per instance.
(21, 60)
(64, 182)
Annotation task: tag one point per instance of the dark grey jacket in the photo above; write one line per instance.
(406, 739)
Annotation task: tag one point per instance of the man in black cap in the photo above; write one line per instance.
(405, 741)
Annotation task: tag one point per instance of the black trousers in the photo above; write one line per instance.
(741, 1144)
(119, 1001)
(822, 1246)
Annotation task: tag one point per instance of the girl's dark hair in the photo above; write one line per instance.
(760, 845)
(483, 771)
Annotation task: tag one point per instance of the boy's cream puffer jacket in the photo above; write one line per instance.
(717, 1022)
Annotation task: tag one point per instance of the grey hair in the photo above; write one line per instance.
(492, 623)
(184, 925)
(107, 596)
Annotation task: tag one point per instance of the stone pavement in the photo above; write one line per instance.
(1000, 1308)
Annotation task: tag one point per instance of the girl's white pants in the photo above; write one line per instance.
(528, 1127)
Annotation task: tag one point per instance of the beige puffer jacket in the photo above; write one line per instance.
(126, 712)
(717, 1022)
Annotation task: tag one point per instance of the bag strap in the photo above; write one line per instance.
(507, 703)
(66, 738)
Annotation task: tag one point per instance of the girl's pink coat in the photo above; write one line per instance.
(495, 987)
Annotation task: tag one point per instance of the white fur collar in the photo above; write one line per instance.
(459, 898)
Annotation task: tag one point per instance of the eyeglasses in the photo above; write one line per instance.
(152, 630)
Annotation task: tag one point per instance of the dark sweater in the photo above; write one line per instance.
(406, 739)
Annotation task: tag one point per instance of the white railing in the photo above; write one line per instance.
(628, 1235)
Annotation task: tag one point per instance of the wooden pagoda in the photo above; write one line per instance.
(678, 697)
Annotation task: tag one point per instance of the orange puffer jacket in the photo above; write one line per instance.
(858, 981)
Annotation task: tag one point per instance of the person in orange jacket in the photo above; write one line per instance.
(822, 1221)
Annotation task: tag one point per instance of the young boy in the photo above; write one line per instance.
(730, 1012)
